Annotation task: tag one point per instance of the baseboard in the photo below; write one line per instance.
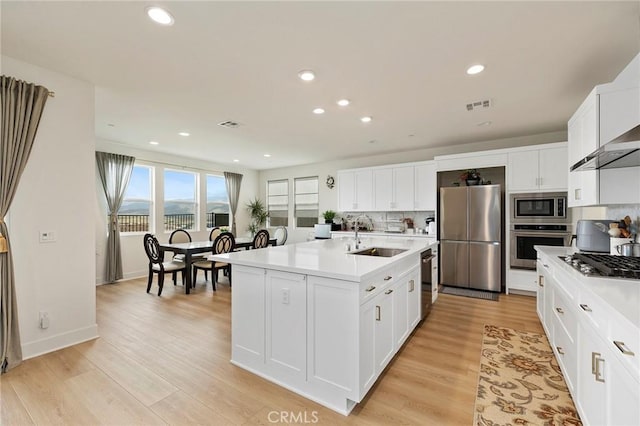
(128, 276)
(522, 292)
(60, 341)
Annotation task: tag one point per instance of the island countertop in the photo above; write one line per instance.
(331, 258)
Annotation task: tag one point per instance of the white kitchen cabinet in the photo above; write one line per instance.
(538, 170)
(583, 139)
(400, 311)
(393, 188)
(434, 275)
(383, 331)
(414, 299)
(355, 190)
(247, 310)
(426, 186)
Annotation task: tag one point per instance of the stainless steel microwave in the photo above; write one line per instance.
(539, 207)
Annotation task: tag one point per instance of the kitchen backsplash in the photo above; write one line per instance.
(382, 221)
(618, 212)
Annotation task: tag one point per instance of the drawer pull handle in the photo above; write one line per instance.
(560, 351)
(623, 348)
(388, 277)
(411, 285)
(541, 280)
(545, 265)
(585, 307)
(377, 313)
(388, 291)
(559, 310)
(597, 371)
(370, 288)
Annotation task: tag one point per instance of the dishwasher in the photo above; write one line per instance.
(426, 280)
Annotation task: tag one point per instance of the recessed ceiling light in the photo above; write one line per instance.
(267, 155)
(160, 15)
(484, 123)
(235, 160)
(475, 69)
(366, 119)
(318, 111)
(343, 102)
(306, 75)
(184, 133)
(154, 143)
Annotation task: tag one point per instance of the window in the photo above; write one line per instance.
(306, 202)
(217, 202)
(180, 205)
(135, 212)
(278, 202)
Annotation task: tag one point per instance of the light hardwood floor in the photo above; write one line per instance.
(165, 360)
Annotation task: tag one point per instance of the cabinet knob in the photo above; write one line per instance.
(560, 350)
(388, 291)
(623, 348)
(370, 288)
(388, 277)
(559, 310)
(585, 307)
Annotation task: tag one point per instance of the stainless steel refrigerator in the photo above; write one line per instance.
(470, 237)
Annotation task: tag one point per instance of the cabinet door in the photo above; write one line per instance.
(367, 360)
(553, 169)
(383, 189)
(414, 299)
(401, 311)
(346, 191)
(425, 193)
(523, 171)
(434, 276)
(592, 394)
(247, 310)
(623, 396)
(403, 181)
(384, 342)
(364, 190)
(540, 291)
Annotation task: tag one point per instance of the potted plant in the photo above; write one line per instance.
(328, 216)
(470, 177)
(258, 213)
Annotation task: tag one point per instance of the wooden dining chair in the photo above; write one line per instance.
(261, 239)
(214, 233)
(157, 264)
(224, 243)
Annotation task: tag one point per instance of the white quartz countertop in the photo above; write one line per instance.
(327, 258)
(621, 294)
(382, 234)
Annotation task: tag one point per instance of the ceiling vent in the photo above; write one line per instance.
(473, 106)
(230, 124)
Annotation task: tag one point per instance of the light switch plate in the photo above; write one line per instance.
(47, 236)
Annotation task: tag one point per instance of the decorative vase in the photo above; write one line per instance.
(472, 182)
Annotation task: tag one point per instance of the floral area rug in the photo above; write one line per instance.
(520, 382)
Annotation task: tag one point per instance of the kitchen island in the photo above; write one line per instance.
(320, 320)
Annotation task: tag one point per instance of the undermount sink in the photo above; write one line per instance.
(379, 251)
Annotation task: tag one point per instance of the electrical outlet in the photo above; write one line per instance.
(47, 236)
(44, 319)
(285, 296)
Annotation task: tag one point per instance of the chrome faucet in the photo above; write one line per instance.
(355, 225)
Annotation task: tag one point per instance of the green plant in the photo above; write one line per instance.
(258, 213)
(329, 215)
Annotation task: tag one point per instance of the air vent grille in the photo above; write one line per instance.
(229, 123)
(476, 105)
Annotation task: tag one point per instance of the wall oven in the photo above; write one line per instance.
(525, 236)
(539, 207)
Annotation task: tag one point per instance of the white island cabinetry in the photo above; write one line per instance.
(324, 332)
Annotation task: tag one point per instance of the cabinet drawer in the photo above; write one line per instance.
(592, 308)
(565, 349)
(624, 340)
(565, 314)
(373, 286)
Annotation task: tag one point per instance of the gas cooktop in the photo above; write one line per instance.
(604, 265)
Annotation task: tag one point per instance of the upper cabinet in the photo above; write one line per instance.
(355, 190)
(393, 188)
(538, 170)
(425, 186)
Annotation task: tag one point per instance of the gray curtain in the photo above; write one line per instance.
(233, 181)
(22, 105)
(114, 171)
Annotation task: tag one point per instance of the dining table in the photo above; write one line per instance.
(196, 247)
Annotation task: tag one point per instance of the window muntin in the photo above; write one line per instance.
(135, 213)
(180, 200)
(218, 210)
(278, 202)
(306, 202)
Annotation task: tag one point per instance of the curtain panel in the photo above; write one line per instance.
(115, 172)
(22, 104)
(233, 182)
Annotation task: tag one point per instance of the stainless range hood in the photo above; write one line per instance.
(623, 151)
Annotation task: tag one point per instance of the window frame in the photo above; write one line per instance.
(295, 201)
(196, 195)
(286, 218)
(206, 201)
(151, 217)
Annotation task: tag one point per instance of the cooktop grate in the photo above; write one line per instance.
(613, 266)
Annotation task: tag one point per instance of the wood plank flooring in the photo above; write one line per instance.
(165, 360)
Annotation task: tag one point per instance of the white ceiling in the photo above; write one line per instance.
(403, 63)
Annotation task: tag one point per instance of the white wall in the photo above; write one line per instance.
(134, 261)
(56, 193)
(329, 197)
